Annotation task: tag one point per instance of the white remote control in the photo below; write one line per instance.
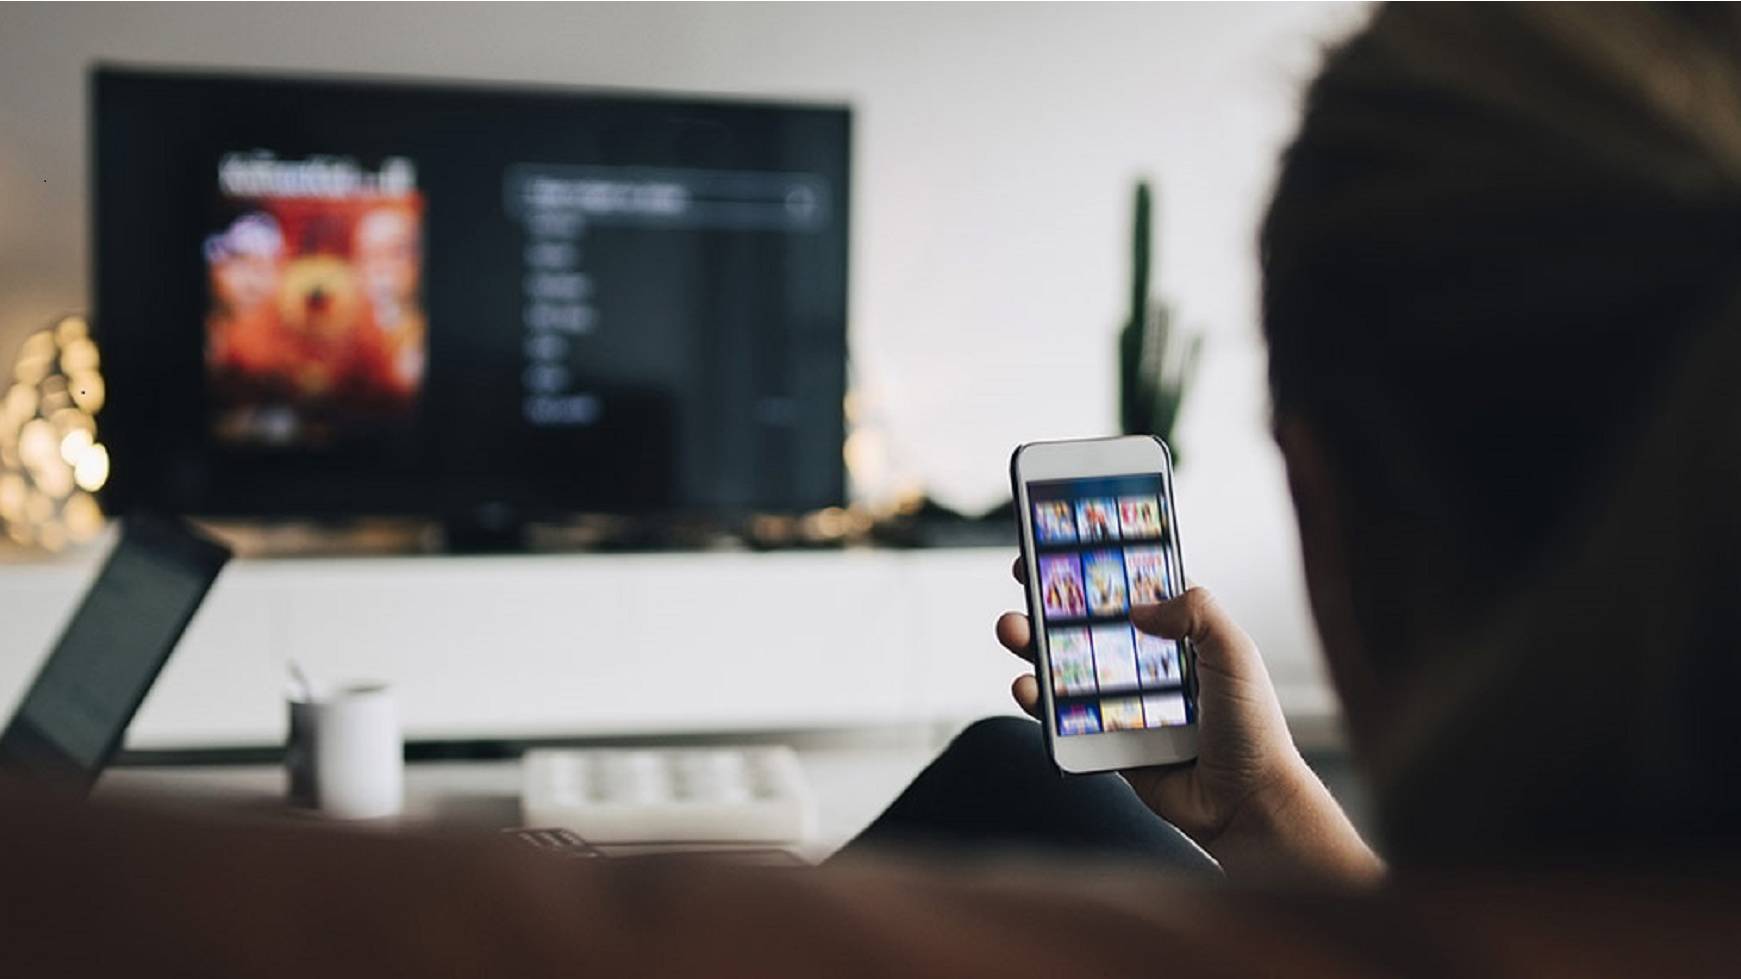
(675, 795)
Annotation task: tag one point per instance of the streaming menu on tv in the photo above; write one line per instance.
(558, 205)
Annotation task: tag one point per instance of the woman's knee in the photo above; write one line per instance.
(999, 737)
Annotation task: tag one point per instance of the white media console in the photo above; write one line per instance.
(588, 645)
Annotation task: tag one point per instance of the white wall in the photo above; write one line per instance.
(996, 147)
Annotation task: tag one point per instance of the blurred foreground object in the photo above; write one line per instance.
(51, 463)
(1154, 372)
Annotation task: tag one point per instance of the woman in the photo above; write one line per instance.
(1501, 299)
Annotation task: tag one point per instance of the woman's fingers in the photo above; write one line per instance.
(1192, 615)
(1014, 634)
(1026, 690)
(1236, 698)
(1195, 615)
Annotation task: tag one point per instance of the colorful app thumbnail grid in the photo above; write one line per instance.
(1079, 719)
(1114, 656)
(1061, 592)
(1146, 569)
(1157, 660)
(1054, 522)
(1072, 661)
(1164, 710)
(1121, 714)
(1140, 516)
(1105, 573)
(1097, 519)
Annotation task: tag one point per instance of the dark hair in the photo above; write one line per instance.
(1495, 242)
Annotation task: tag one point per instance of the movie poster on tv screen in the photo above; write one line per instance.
(316, 330)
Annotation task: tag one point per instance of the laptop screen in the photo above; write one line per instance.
(74, 715)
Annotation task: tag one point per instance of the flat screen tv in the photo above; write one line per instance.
(326, 298)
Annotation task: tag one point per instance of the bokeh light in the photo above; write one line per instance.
(50, 458)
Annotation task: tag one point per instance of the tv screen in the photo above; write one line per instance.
(324, 298)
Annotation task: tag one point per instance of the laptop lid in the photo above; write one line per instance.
(70, 722)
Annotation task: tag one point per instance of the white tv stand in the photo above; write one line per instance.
(578, 645)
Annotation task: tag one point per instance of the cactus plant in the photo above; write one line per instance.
(1155, 371)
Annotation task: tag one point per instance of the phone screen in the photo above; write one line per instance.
(1102, 545)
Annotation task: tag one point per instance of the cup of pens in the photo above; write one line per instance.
(343, 756)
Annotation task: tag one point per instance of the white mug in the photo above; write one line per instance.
(344, 755)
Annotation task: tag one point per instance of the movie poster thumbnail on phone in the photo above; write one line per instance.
(1097, 519)
(1114, 657)
(1078, 719)
(1105, 573)
(1061, 591)
(1072, 661)
(1164, 710)
(1121, 714)
(1146, 570)
(1157, 660)
(1054, 522)
(1140, 517)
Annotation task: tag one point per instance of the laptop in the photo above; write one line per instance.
(69, 724)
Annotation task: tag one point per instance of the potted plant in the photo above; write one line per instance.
(1155, 367)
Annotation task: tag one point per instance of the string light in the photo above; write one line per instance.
(50, 459)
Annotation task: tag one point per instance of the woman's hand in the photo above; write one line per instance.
(1249, 798)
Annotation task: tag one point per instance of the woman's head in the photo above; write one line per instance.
(1505, 240)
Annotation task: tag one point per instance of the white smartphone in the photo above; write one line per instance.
(1099, 534)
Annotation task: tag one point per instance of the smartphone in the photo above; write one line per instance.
(1099, 534)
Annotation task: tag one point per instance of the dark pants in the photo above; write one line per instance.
(995, 790)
